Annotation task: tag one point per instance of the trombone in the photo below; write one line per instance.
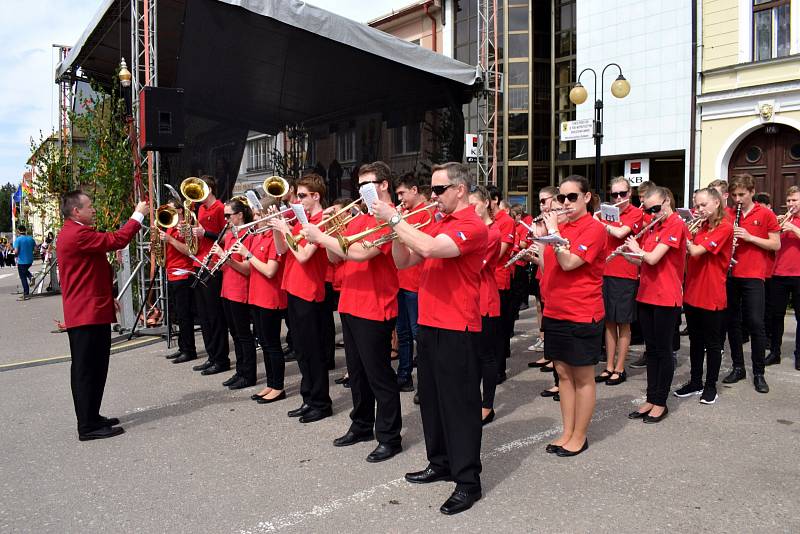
(347, 241)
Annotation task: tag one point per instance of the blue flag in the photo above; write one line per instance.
(17, 198)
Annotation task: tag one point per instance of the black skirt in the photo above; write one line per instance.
(619, 299)
(573, 343)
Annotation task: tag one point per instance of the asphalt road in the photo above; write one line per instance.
(199, 458)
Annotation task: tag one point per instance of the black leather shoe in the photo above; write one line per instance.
(231, 380)
(649, 419)
(621, 377)
(565, 453)
(173, 355)
(406, 386)
(548, 393)
(298, 412)
(351, 438)
(183, 358)
(215, 368)
(341, 379)
(638, 415)
(488, 419)
(203, 366)
(797, 363)
(501, 377)
(383, 452)
(736, 374)
(546, 368)
(535, 364)
(264, 400)
(552, 449)
(242, 383)
(102, 433)
(760, 384)
(557, 397)
(459, 501)
(426, 476)
(772, 359)
(109, 421)
(312, 415)
(416, 398)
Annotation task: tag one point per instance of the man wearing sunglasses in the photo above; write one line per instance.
(451, 252)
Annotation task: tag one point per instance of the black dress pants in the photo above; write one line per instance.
(705, 332)
(331, 302)
(367, 348)
(90, 347)
(268, 326)
(658, 324)
(181, 292)
(520, 283)
(783, 287)
(449, 377)
(746, 305)
(306, 318)
(212, 320)
(507, 318)
(237, 314)
(490, 354)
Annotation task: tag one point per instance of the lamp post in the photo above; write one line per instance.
(620, 89)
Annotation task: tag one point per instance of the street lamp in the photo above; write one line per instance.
(578, 95)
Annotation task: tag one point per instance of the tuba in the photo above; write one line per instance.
(194, 190)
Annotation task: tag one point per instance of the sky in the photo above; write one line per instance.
(28, 94)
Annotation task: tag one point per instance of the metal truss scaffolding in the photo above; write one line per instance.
(488, 96)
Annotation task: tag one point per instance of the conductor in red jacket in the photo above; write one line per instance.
(86, 283)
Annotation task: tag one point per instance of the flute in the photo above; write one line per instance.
(620, 249)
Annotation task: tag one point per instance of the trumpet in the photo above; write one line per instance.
(337, 222)
(694, 225)
(253, 224)
(620, 249)
(783, 219)
(346, 241)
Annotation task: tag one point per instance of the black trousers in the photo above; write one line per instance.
(520, 285)
(306, 318)
(90, 347)
(705, 332)
(237, 314)
(182, 294)
(746, 305)
(373, 382)
(658, 325)
(212, 320)
(783, 287)
(507, 319)
(489, 349)
(331, 302)
(449, 377)
(268, 326)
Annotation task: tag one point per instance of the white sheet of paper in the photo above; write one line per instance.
(686, 214)
(300, 213)
(551, 240)
(252, 199)
(609, 212)
(369, 194)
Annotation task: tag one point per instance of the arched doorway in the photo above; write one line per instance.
(771, 154)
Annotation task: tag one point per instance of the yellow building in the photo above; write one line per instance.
(748, 96)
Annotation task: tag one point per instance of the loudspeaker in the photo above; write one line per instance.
(161, 119)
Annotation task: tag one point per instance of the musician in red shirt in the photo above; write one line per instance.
(86, 289)
(368, 310)
(756, 235)
(620, 284)
(304, 282)
(235, 286)
(547, 202)
(211, 223)
(573, 317)
(179, 267)
(662, 256)
(786, 279)
(452, 252)
(705, 299)
(506, 226)
(489, 345)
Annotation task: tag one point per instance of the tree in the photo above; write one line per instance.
(5, 206)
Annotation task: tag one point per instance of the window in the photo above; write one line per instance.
(771, 37)
(258, 153)
(406, 139)
(346, 146)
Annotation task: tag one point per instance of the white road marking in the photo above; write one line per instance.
(5, 275)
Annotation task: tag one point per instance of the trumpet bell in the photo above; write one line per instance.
(194, 189)
(167, 216)
(275, 186)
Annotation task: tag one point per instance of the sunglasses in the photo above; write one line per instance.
(652, 210)
(301, 196)
(619, 194)
(440, 189)
(229, 215)
(572, 197)
(376, 182)
(543, 201)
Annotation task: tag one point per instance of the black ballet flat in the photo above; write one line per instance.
(488, 419)
(648, 420)
(263, 400)
(638, 415)
(564, 453)
(552, 449)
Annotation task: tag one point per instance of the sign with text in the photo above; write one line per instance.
(637, 171)
(577, 130)
(473, 146)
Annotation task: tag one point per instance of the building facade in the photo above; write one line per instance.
(748, 103)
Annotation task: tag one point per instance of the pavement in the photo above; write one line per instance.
(197, 457)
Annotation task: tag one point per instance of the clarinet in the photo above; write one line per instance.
(735, 240)
(207, 260)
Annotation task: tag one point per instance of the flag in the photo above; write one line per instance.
(17, 197)
(26, 186)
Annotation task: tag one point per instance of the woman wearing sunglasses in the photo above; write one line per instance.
(662, 256)
(235, 287)
(489, 345)
(573, 314)
(620, 283)
(705, 298)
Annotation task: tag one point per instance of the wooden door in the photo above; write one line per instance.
(771, 155)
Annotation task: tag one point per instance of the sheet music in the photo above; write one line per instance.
(551, 239)
(252, 199)
(299, 213)
(370, 194)
(609, 213)
(686, 214)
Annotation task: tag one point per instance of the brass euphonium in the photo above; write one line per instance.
(194, 190)
(166, 217)
(276, 187)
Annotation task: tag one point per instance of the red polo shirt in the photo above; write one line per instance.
(490, 298)
(506, 226)
(449, 288)
(306, 280)
(633, 218)
(409, 278)
(662, 284)
(706, 274)
(369, 288)
(213, 220)
(579, 296)
(787, 261)
(266, 292)
(235, 285)
(520, 242)
(753, 261)
(175, 259)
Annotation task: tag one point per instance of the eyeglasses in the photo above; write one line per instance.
(439, 190)
(544, 200)
(229, 215)
(619, 194)
(572, 197)
(652, 210)
(301, 196)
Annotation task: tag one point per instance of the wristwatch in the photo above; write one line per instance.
(249, 255)
(395, 220)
